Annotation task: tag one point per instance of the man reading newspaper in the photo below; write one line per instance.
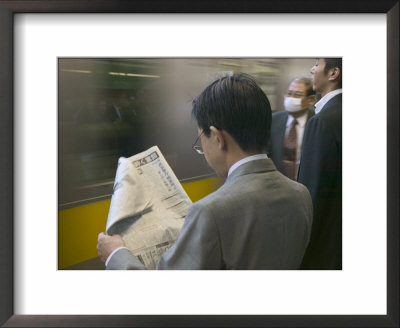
(258, 219)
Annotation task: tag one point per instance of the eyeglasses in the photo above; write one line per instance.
(294, 94)
(196, 148)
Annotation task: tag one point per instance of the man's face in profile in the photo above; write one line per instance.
(319, 77)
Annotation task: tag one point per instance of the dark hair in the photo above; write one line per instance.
(332, 63)
(237, 105)
(307, 82)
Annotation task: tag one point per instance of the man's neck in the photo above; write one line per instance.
(236, 156)
(246, 159)
(232, 153)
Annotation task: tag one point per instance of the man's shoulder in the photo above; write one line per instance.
(237, 189)
(230, 192)
(331, 112)
(216, 196)
(327, 123)
(278, 122)
(332, 108)
(251, 197)
(279, 115)
(298, 188)
(209, 207)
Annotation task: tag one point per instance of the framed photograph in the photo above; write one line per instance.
(34, 35)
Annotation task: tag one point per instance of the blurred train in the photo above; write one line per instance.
(113, 107)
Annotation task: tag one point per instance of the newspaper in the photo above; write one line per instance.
(148, 205)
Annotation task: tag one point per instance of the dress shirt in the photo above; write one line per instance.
(321, 103)
(245, 160)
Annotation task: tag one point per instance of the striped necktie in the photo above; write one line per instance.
(289, 152)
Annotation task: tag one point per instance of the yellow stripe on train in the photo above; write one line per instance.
(78, 227)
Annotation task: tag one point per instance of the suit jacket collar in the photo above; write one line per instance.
(284, 117)
(333, 101)
(310, 114)
(257, 166)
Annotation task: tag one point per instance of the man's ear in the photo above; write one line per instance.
(219, 137)
(334, 73)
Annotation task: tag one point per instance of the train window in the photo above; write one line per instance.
(112, 107)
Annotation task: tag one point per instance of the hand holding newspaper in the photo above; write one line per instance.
(148, 205)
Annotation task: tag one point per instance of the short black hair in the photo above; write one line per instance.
(236, 104)
(332, 63)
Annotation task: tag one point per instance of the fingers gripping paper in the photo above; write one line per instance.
(148, 205)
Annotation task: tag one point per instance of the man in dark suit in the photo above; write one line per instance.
(287, 128)
(321, 167)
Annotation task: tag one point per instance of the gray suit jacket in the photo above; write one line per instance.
(258, 219)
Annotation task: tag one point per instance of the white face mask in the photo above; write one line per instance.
(292, 104)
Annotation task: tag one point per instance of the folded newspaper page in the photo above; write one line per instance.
(148, 205)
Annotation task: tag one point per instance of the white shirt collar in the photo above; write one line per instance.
(246, 160)
(302, 120)
(321, 103)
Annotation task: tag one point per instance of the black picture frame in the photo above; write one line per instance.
(7, 10)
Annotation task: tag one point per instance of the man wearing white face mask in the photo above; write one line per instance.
(287, 126)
